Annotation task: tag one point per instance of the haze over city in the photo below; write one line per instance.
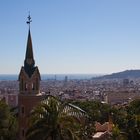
(71, 36)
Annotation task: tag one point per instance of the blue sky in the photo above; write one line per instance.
(71, 36)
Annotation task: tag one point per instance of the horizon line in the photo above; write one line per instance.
(105, 73)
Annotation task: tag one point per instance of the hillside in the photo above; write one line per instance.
(121, 75)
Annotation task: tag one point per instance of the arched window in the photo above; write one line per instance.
(26, 86)
(33, 86)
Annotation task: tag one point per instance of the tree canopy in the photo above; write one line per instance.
(8, 123)
(54, 120)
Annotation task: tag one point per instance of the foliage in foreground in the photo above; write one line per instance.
(126, 118)
(8, 123)
(126, 121)
(52, 120)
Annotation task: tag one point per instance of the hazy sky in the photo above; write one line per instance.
(71, 36)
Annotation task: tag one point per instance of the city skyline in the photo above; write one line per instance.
(71, 36)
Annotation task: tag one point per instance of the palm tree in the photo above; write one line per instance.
(53, 120)
(8, 124)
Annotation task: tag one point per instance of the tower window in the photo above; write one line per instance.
(33, 88)
(22, 110)
(25, 86)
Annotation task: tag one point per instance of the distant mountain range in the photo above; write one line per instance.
(121, 75)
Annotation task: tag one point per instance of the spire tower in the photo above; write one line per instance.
(29, 86)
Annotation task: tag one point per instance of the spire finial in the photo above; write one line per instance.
(29, 20)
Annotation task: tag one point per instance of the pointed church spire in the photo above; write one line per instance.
(29, 58)
(29, 49)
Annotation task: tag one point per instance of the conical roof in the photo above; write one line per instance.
(29, 49)
(29, 58)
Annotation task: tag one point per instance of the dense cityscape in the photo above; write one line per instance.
(116, 93)
(111, 91)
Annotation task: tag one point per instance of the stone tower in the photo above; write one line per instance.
(29, 87)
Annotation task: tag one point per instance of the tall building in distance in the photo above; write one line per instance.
(29, 87)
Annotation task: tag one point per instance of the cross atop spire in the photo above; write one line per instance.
(29, 20)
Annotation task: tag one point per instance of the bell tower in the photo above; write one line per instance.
(29, 86)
